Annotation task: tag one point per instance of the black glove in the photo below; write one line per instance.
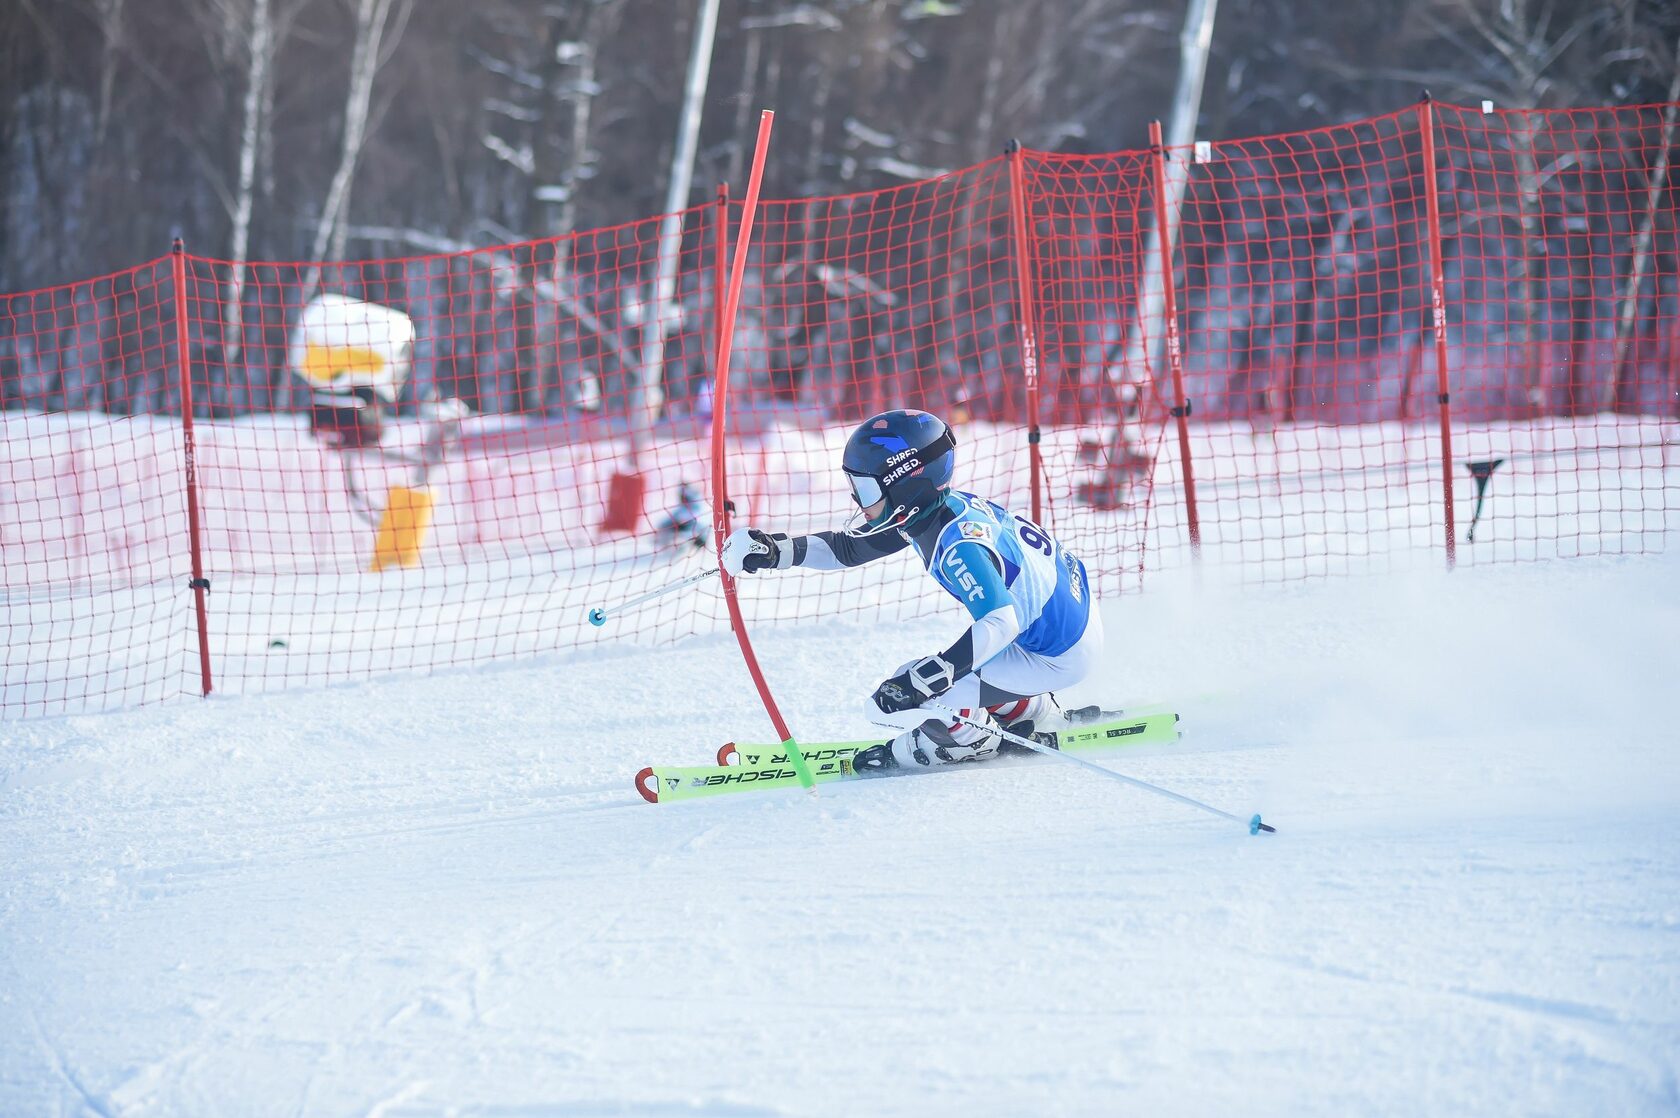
(752, 551)
(925, 679)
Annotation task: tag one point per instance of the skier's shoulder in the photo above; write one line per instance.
(974, 519)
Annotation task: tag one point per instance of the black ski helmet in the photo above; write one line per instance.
(903, 457)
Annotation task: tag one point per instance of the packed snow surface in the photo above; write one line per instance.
(442, 896)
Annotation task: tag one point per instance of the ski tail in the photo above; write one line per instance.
(670, 784)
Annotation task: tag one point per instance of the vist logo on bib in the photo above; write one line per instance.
(964, 578)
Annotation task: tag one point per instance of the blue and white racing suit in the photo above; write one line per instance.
(1034, 628)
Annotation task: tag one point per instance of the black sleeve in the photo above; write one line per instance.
(960, 655)
(832, 551)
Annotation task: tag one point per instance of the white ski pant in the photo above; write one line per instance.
(1023, 674)
(1016, 673)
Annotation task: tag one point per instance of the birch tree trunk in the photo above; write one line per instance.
(660, 314)
(110, 26)
(371, 16)
(1005, 28)
(259, 40)
(570, 78)
(819, 120)
(1642, 242)
(1144, 348)
(743, 107)
(583, 102)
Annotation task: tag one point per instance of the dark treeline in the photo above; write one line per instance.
(329, 130)
(123, 122)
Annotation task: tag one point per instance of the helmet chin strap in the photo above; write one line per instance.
(885, 526)
(900, 517)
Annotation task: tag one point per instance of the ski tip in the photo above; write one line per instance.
(597, 617)
(726, 753)
(649, 787)
(1255, 826)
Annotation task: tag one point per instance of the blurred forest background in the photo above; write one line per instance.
(313, 130)
(122, 122)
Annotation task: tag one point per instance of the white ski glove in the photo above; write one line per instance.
(749, 550)
(914, 684)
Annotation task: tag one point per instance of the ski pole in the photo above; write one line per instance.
(598, 614)
(1254, 825)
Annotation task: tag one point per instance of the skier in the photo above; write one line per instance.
(686, 523)
(1034, 629)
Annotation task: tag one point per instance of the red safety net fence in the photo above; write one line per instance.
(1441, 335)
(923, 297)
(1333, 427)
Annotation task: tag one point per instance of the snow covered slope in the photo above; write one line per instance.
(443, 896)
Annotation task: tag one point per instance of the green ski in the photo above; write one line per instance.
(766, 766)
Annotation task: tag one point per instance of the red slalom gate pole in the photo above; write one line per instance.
(720, 399)
(1029, 319)
(1438, 316)
(1175, 355)
(198, 583)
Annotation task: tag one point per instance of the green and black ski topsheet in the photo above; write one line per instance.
(743, 768)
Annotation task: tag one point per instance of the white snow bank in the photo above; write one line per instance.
(442, 895)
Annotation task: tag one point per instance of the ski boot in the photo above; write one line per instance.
(1038, 719)
(928, 746)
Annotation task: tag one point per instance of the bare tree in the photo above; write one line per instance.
(660, 314)
(1642, 241)
(374, 19)
(1143, 348)
(259, 50)
(110, 16)
(1526, 46)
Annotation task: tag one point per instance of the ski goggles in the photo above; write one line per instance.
(865, 490)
